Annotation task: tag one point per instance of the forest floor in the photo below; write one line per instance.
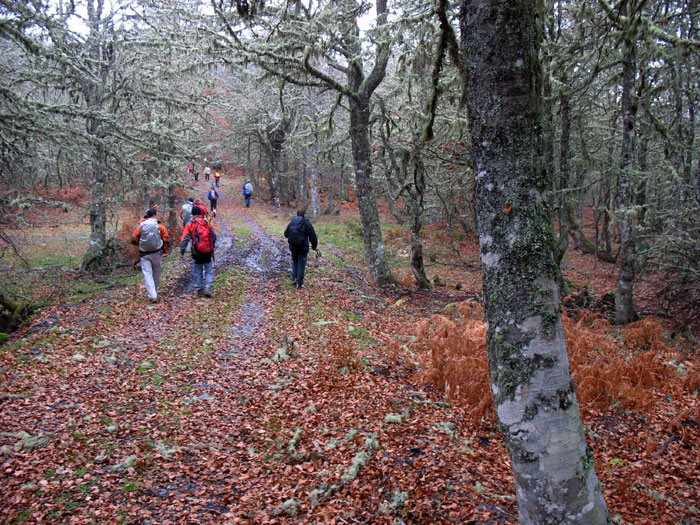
(337, 403)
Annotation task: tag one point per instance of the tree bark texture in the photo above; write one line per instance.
(531, 383)
(315, 203)
(95, 257)
(369, 214)
(624, 298)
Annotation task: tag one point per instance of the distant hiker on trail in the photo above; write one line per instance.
(186, 211)
(217, 176)
(203, 238)
(207, 172)
(195, 172)
(152, 239)
(213, 196)
(300, 233)
(247, 193)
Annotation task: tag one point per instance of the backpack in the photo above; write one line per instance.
(150, 240)
(186, 213)
(296, 232)
(203, 237)
(213, 195)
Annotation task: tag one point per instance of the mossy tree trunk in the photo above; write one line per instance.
(531, 382)
(94, 89)
(96, 257)
(624, 299)
(369, 213)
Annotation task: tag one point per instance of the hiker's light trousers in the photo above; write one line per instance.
(151, 265)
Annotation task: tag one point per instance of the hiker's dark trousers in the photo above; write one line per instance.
(298, 266)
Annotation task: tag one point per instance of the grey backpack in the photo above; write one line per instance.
(186, 213)
(150, 240)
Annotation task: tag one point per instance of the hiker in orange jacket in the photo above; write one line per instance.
(152, 239)
(217, 176)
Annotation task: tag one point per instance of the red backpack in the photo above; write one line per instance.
(203, 236)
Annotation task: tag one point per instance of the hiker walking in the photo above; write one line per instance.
(203, 239)
(207, 172)
(186, 211)
(202, 207)
(247, 193)
(195, 172)
(300, 233)
(152, 239)
(217, 176)
(213, 196)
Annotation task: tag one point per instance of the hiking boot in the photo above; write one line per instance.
(200, 293)
(153, 299)
(300, 286)
(207, 292)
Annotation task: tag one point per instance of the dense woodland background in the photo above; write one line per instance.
(358, 111)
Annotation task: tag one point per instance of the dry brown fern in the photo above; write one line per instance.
(605, 370)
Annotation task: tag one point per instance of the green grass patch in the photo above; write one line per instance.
(241, 232)
(344, 236)
(46, 247)
(130, 487)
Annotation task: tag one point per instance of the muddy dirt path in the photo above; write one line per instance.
(262, 257)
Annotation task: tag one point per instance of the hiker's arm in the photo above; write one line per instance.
(185, 239)
(313, 238)
(165, 237)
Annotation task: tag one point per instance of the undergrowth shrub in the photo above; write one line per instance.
(607, 371)
(455, 362)
(130, 251)
(604, 375)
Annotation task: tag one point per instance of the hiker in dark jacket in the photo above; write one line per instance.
(300, 233)
(213, 197)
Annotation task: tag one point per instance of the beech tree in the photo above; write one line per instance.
(533, 392)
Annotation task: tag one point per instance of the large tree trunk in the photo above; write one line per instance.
(369, 214)
(531, 381)
(95, 257)
(624, 298)
(566, 203)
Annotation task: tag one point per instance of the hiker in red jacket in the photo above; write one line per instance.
(202, 207)
(203, 239)
(152, 239)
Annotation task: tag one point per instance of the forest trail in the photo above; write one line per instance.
(264, 404)
(267, 404)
